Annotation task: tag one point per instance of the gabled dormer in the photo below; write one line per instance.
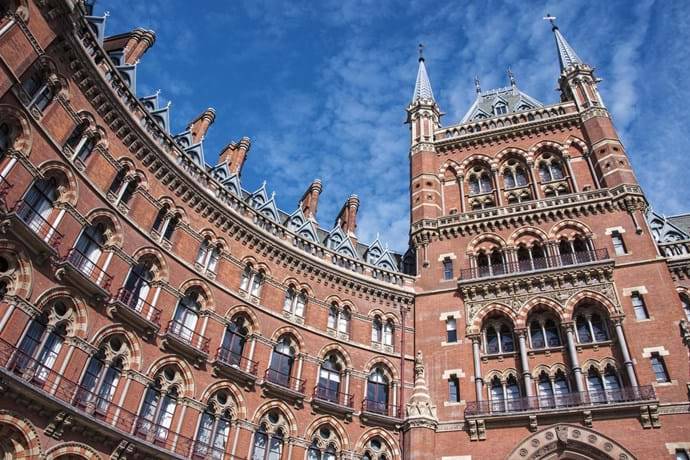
(259, 197)
(499, 102)
(160, 114)
(335, 238)
(664, 230)
(233, 184)
(308, 231)
(346, 248)
(387, 262)
(296, 220)
(97, 25)
(374, 251)
(269, 209)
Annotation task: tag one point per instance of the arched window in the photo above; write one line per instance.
(513, 401)
(377, 330)
(377, 392)
(543, 332)
(498, 337)
(575, 251)
(38, 203)
(282, 360)
(551, 168)
(479, 180)
(42, 342)
(595, 386)
(186, 316)
(330, 372)
(87, 252)
(161, 219)
(505, 396)
(38, 90)
(338, 318)
(170, 227)
(496, 395)
(515, 174)
(377, 449)
(138, 285)
(158, 408)
(252, 280)
(234, 341)
(102, 376)
(268, 445)
(591, 326)
(546, 397)
(531, 258)
(491, 263)
(685, 302)
(81, 144)
(388, 332)
(214, 427)
(295, 301)
(325, 444)
(208, 255)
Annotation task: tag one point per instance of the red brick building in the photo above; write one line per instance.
(153, 308)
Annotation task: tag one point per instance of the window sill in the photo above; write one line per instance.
(645, 320)
(499, 356)
(593, 345)
(665, 384)
(450, 344)
(454, 403)
(545, 351)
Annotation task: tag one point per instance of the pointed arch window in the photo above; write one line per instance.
(234, 340)
(38, 89)
(186, 316)
(252, 280)
(295, 302)
(80, 142)
(101, 378)
(498, 338)
(138, 285)
(377, 330)
(531, 258)
(324, 446)
(5, 139)
(158, 408)
(208, 255)
(282, 361)
(214, 428)
(267, 446)
(551, 168)
(543, 332)
(546, 396)
(388, 332)
(479, 180)
(89, 248)
(329, 379)
(338, 318)
(377, 392)
(496, 395)
(38, 205)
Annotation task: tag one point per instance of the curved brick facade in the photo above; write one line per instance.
(152, 308)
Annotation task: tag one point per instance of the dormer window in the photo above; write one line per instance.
(500, 109)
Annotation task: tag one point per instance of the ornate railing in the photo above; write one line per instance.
(284, 380)
(95, 273)
(143, 308)
(40, 226)
(559, 402)
(679, 248)
(5, 187)
(333, 396)
(232, 359)
(92, 404)
(542, 263)
(186, 335)
(381, 408)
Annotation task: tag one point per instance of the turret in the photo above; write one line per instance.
(310, 199)
(578, 84)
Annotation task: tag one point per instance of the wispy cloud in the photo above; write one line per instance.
(321, 87)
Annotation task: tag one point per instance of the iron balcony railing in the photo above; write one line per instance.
(232, 359)
(143, 308)
(562, 401)
(40, 226)
(89, 269)
(5, 187)
(186, 335)
(284, 380)
(541, 263)
(92, 404)
(333, 396)
(381, 408)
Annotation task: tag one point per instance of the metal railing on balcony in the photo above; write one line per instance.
(680, 248)
(232, 359)
(381, 408)
(5, 187)
(284, 380)
(38, 224)
(333, 396)
(143, 308)
(541, 263)
(562, 401)
(89, 269)
(93, 404)
(188, 336)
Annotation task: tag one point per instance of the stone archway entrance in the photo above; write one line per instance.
(569, 442)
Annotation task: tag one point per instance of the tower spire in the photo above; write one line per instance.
(422, 88)
(566, 54)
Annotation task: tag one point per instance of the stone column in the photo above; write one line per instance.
(526, 375)
(478, 380)
(572, 351)
(618, 323)
(461, 184)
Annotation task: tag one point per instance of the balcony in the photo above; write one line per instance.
(379, 413)
(136, 312)
(622, 403)
(235, 366)
(180, 338)
(284, 386)
(4, 188)
(533, 266)
(79, 270)
(29, 226)
(49, 391)
(333, 402)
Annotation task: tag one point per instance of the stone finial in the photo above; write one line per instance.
(199, 126)
(347, 217)
(235, 154)
(310, 199)
(420, 405)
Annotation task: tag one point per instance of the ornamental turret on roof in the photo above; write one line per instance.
(499, 102)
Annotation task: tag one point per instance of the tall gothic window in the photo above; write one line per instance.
(329, 379)
(214, 427)
(186, 316)
(37, 88)
(282, 361)
(295, 301)
(591, 327)
(268, 439)
(377, 391)
(138, 285)
(102, 376)
(252, 280)
(551, 168)
(234, 341)
(498, 337)
(38, 205)
(160, 402)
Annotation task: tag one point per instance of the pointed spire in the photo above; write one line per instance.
(422, 88)
(566, 54)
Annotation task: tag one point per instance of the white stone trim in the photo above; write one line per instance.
(448, 372)
(642, 290)
(449, 255)
(454, 403)
(673, 446)
(610, 230)
(447, 314)
(647, 352)
(458, 457)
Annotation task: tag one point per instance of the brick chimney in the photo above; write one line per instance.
(140, 42)
(235, 154)
(310, 199)
(200, 125)
(347, 217)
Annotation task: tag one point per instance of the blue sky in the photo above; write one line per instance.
(321, 86)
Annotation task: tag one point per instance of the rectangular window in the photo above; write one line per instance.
(453, 389)
(618, 244)
(639, 306)
(451, 330)
(447, 269)
(659, 368)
